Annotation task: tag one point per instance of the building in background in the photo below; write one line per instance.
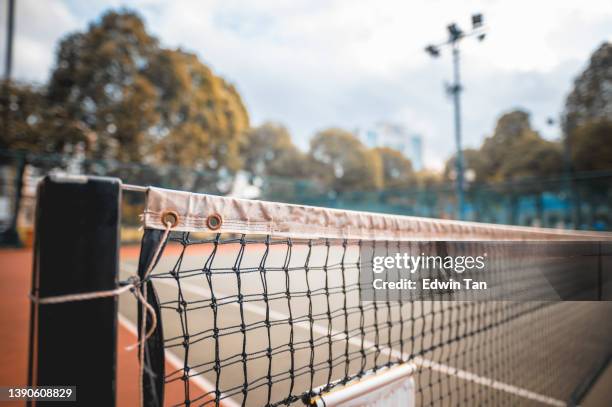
(397, 137)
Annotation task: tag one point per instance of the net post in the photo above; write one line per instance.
(154, 372)
(76, 251)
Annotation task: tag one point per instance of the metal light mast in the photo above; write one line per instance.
(455, 35)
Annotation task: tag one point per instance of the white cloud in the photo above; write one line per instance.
(38, 27)
(317, 63)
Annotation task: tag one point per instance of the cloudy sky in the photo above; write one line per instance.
(311, 64)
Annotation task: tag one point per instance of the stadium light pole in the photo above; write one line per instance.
(10, 235)
(455, 35)
(10, 28)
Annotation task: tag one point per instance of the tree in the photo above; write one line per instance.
(100, 79)
(473, 160)
(426, 178)
(202, 115)
(592, 146)
(591, 97)
(591, 150)
(268, 150)
(397, 169)
(29, 122)
(515, 151)
(587, 119)
(22, 113)
(343, 163)
(532, 157)
(510, 128)
(143, 101)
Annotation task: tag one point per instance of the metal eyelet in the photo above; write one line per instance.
(214, 221)
(170, 217)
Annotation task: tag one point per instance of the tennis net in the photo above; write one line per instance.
(260, 303)
(270, 308)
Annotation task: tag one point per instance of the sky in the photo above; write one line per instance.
(314, 64)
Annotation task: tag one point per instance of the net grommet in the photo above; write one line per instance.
(214, 221)
(170, 217)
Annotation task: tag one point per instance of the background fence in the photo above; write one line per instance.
(580, 201)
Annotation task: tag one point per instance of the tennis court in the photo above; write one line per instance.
(261, 304)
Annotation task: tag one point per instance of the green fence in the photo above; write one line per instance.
(580, 201)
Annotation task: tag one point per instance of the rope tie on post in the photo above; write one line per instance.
(134, 285)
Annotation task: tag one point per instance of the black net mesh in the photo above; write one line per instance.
(270, 321)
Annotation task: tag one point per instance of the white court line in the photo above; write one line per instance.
(199, 381)
(426, 363)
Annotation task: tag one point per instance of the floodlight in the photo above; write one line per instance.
(476, 20)
(454, 31)
(433, 51)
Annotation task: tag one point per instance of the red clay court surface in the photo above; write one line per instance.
(15, 277)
